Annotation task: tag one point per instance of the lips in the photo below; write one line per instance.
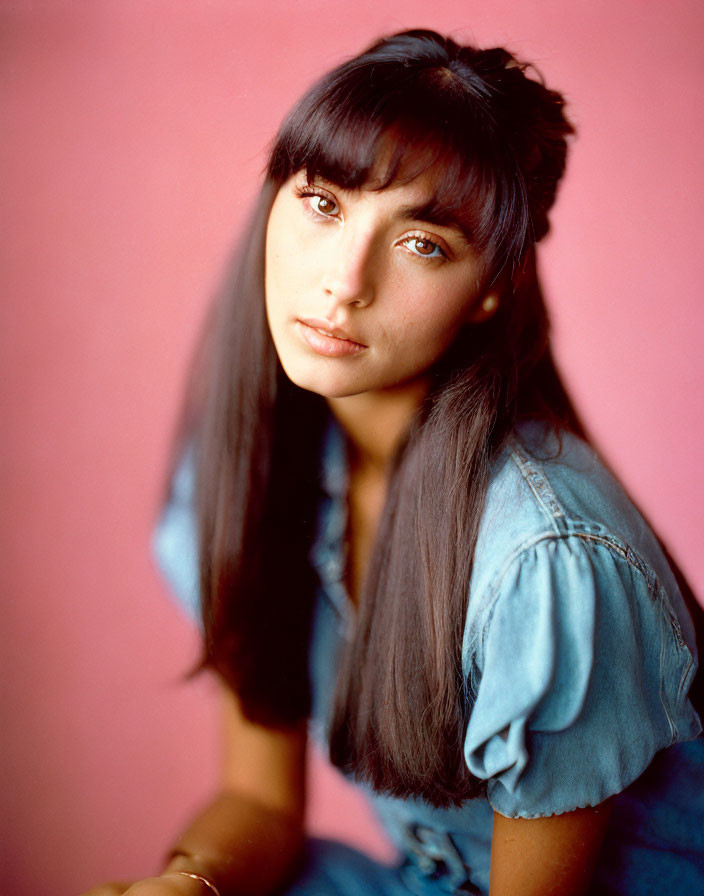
(325, 329)
(332, 342)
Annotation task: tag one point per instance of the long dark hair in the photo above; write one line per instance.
(498, 137)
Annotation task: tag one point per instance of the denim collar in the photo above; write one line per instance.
(328, 555)
(334, 472)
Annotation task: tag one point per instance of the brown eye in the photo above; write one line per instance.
(323, 205)
(424, 248)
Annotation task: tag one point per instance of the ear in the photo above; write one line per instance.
(485, 306)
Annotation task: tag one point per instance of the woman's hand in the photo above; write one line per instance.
(168, 884)
(114, 888)
(249, 837)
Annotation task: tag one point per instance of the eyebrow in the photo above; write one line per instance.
(432, 212)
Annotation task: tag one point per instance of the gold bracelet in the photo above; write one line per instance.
(204, 880)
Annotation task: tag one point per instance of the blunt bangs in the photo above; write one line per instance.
(375, 124)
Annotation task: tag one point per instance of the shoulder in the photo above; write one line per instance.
(551, 493)
(552, 484)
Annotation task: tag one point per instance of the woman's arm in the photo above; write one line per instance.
(551, 856)
(247, 840)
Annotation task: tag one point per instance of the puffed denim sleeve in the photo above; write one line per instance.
(175, 540)
(579, 675)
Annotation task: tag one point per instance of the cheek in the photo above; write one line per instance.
(288, 272)
(433, 316)
(280, 253)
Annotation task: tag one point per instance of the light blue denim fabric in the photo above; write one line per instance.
(578, 653)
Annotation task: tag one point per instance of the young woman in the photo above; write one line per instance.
(388, 517)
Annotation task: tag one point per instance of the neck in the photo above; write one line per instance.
(376, 422)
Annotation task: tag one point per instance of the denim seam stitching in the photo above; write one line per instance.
(661, 690)
(612, 544)
(539, 484)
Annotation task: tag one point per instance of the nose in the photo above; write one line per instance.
(348, 277)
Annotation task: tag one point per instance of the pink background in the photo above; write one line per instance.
(133, 138)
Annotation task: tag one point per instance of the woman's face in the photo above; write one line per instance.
(364, 289)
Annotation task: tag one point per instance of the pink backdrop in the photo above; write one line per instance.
(133, 137)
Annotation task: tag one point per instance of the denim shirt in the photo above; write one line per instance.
(578, 652)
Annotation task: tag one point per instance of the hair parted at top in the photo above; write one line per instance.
(496, 141)
(499, 135)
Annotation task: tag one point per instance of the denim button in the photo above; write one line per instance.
(432, 855)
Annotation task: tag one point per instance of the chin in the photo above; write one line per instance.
(327, 390)
(325, 386)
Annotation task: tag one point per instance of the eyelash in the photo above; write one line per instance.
(311, 193)
(424, 239)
